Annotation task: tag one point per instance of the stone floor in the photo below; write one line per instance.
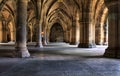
(59, 60)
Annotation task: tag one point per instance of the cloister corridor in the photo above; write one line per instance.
(59, 38)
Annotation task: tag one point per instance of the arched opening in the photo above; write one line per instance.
(11, 31)
(56, 33)
(8, 32)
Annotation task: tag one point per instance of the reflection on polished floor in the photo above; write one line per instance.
(58, 59)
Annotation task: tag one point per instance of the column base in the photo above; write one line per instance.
(100, 43)
(112, 52)
(39, 45)
(11, 42)
(73, 43)
(86, 45)
(44, 43)
(22, 52)
(66, 41)
(105, 43)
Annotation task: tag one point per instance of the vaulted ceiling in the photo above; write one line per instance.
(59, 11)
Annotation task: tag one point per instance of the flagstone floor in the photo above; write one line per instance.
(58, 59)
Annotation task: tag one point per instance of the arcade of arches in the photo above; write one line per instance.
(85, 23)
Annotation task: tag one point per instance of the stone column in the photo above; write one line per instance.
(39, 40)
(21, 47)
(45, 38)
(65, 36)
(113, 49)
(100, 34)
(77, 32)
(69, 36)
(101, 40)
(97, 34)
(1, 31)
(4, 27)
(31, 31)
(106, 33)
(73, 34)
(86, 35)
(11, 26)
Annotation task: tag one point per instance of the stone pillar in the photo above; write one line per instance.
(77, 32)
(4, 27)
(69, 36)
(73, 33)
(1, 31)
(101, 39)
(45, 38)
(21, 47)
(113, 49)
(98, 33)
(39, 40)
(66, 36)
(86, 33)
(11, 26)
(106, 33)
(31, 31)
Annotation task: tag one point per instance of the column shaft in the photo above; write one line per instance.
(86, 39)
(69, 36)
(113, 49)
(101, 34)
(21, 47)
(1, 31)
(106, 33)
(73, 36)
(45, 38)
(39, 40)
